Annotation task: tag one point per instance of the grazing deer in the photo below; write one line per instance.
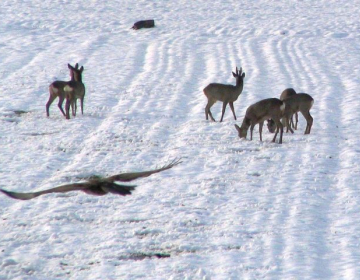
(74, 89)
(271, 108)
(300, 102)
(225, 93)
(286, 94)
(96, 185)
(56, 89)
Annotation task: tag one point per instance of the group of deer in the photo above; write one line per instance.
(70, 91)
(278, 112)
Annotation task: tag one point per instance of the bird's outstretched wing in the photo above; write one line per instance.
(95, 186)
(59, 189)
(127, 177)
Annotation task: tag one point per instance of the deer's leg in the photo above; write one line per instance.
(67, 108)
(223, 110)
(207, 109)
(73, 107)
(51, 99)
(283, 121)
(60, 103)
(296, 120)
(292, 121)
(232, 109)
(279, 126)
(251, 131)
(288, 125)
(281, 132)
(309, 121)
(75, 102)
(82, 105)
(260, 130)
(276, 133)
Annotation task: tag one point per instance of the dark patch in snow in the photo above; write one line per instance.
(141, 256)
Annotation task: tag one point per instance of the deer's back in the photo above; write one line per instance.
(269, 108)
(57, 88)
(287, 93)
(299, 102)
(58, 84)
(222, 92)
(75, 88)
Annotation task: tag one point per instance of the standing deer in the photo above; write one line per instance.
(225, 93)
(56, 89)
(74, 89)
(286, 94)
(300, 102)
(271, 108)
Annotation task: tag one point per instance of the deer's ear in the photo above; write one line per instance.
(76, 65)
(81, 68)
(243, 75)
(237, 127)
(234, 74)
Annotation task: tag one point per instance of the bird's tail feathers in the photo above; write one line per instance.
(118, 189)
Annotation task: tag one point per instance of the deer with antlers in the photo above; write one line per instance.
(227, 94)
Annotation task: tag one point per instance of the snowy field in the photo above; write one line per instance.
(234, 209)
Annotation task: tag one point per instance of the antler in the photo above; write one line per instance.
(238, 72)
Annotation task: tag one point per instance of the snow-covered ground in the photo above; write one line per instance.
(234, 209)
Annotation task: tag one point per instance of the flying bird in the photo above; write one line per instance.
(96, 185)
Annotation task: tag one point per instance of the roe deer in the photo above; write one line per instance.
(225, 93)
(271, 108)
(300, 102)
(286, 94)
(96, 185)
(74, 89)
(56, 89)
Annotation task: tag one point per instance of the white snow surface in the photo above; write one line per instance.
(234, 208)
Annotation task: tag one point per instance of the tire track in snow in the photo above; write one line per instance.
(248, 235)
(311, 198)
(344, 204)
(285, 208)
(28, 128)
(289, 63)
(312, 193)
(104, 137)
(272, 219)
(91, 138)
(288, 203)
(153, 61)
(306, 55)
(254, 61)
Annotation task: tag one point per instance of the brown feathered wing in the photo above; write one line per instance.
(97, 186)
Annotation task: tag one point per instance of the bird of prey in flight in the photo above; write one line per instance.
(96, 185)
